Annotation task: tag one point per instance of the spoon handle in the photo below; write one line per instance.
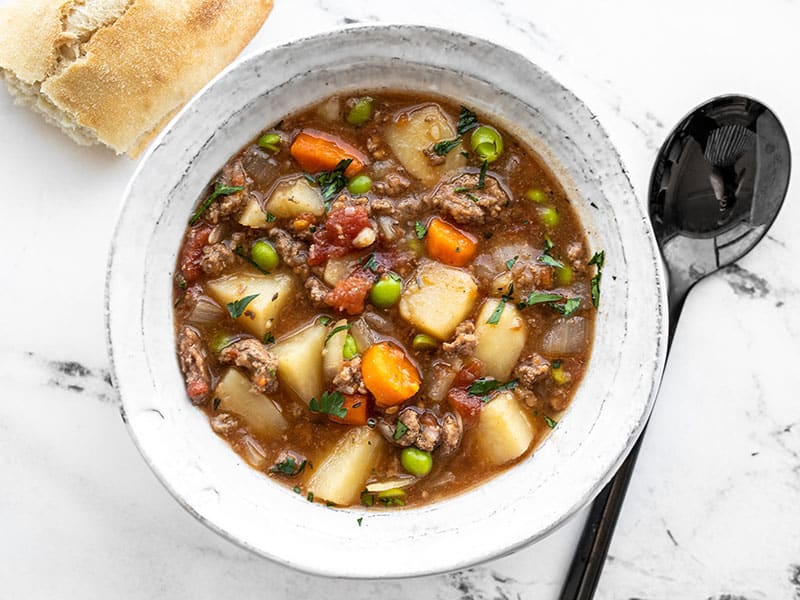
(590, 555)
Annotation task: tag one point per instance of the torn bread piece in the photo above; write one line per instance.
(115, 71)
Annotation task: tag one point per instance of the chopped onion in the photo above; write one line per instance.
(362, 334)
(376, 321)
(205, 311)
(331, 109)
(386, 225)
(254, 454)
(390, 484)
(566, 337)
(440, 381)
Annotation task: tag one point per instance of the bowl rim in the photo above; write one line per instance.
(475, 557)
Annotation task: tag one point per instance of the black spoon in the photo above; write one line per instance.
(717, 185)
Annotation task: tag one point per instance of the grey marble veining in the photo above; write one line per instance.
(712, 511)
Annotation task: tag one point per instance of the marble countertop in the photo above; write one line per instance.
(714, 507)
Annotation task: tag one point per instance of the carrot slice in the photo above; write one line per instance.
(450, 245)
(316, 151)
(356, 405)
(388, 374)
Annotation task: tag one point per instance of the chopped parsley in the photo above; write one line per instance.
(236, 308)
(597, 260)
(567, 308)
(443, 147)
(324, 320)
(296, 489)
(330, 403)
(420, 230)
(400, 430)
(557, 363)
(219, 190)
(494, 319)
(359, 520)
(550, 261)
(367, 499)
(473, 198)
(370, 263)
(550, 422)
(269, 338)
(337, 330)
(289, 466)
(466, 120)
(548, 244)
(539, 298)
(511, 262)
(482, 176)
(270, 217)
(332, 182)
(484, 386)
(310, 496)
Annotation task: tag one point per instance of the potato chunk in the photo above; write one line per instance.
(261, 314)
(294, 197)
(499, 345)
(259, 412)
(253, 215)
(300, 361)
(344, 472)
(437, 298)
(504, 431)
(413, 132)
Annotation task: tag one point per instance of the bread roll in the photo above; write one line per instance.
(115, 71)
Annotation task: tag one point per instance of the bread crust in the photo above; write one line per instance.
(135, 73)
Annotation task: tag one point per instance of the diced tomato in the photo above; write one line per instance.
(197, 389)
(357, 406)
(192, 252)
(349, 294)
(468, 373)
(466, 405)
(335, 238)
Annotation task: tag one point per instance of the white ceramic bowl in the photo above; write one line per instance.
(513, 509)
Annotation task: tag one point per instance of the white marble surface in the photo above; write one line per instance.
(714, 508)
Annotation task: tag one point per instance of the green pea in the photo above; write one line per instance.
(386, 291)
(360, 184)
(536, 195)
(564, 275)
(422, 341)
(270, 141)
(361, 112)
(264, 255)
(417, 462)
(487, 143)
(350, 349)
(549, 216)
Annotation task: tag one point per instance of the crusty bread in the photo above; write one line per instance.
(115, 71)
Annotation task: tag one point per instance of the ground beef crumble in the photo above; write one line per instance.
(253, 356)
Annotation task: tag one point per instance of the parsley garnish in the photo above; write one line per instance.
(270, 217)
(568, 307)
(482, 176)
(337, 330)
(235, 309)
(358, 520)
(557, 363)
(330, 403)
(597, 260)
(310, 496)
(466, 120)
(296, 489)
(443, 147)
(370, 263)
(367, 499)
(550, 261)
(498, 312)
(400, 430)
(550, 422)
(219, 190)
(548, 244)
(269, 338)
(288, 466)
(324, 320)
(420, 230)
(511, 262)
(485, 386)
(332, 182)
(539, 298)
